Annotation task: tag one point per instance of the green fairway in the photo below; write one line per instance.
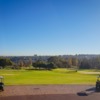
(57, 76)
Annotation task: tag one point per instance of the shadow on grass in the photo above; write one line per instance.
(73, 71)
(39, 69)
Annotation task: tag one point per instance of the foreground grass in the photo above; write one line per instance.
(58, 76)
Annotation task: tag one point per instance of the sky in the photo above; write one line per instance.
(49, 27)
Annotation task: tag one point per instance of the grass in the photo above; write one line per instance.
(57, 76)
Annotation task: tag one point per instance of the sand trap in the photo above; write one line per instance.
(89, 72)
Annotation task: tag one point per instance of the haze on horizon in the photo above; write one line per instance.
(49, 27)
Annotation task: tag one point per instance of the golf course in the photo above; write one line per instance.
(56, 76)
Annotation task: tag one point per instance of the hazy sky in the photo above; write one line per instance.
(49, 27)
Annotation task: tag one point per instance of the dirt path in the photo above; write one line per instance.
(44, 89)
(50, 92)
(53, 97)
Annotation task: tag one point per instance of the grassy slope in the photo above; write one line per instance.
(58, 76)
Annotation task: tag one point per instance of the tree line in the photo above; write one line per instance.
(53, 62)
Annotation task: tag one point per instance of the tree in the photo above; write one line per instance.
(30, 62)
(59, 62)
(74, 61)
(21, 63)
(70, 62)
(39, 65)
(5, 62)
(85, 64)
(35, 65)
(43, 65)
(50, 66)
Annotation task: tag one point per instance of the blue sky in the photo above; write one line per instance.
(49, 27)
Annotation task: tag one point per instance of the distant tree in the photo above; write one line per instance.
(21, 63)
(53, 59)
(70, 62)
(5, 62)
(58, 61)
(95, 62)
(50, 66)
(75, 63)
(39, 65)
(35, 65)
(64, 63)
(85, 64)
(43, 65)
(30, 62)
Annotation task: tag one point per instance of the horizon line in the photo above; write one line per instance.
(50, 55)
